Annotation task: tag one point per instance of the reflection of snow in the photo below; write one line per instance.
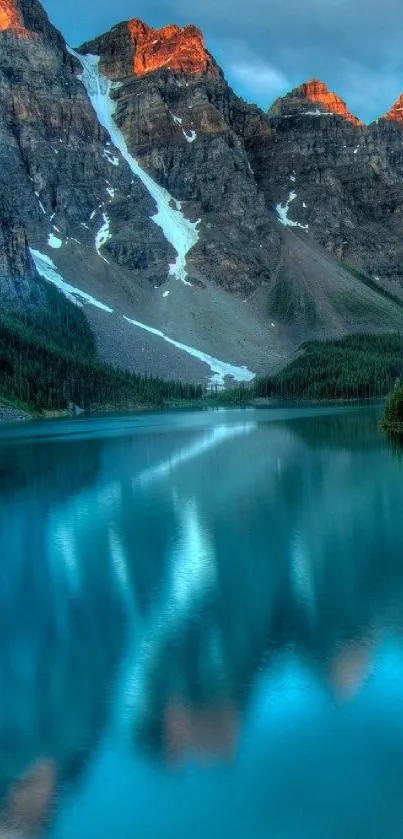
(301, 574)
(193, 560)
(192, 576)
(207, 442)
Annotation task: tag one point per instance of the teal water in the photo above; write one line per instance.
(201, 626)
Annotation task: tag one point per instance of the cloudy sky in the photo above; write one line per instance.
(267, 47)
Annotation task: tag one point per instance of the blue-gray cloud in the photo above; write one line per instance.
(267, 46)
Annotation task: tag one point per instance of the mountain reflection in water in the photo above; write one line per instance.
(183, 593)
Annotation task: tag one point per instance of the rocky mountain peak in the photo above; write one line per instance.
(396, 111)
(180, 49)
(313, 97)
(11, 19)
(134, 48)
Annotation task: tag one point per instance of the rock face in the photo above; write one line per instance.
(19, 282)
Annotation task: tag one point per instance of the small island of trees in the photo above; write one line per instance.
(392, 419)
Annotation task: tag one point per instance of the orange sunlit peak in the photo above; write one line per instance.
(396, 111)
(11, 19)
(173, 47)
(318, 93)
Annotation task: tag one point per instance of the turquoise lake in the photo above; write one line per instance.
(201, 626)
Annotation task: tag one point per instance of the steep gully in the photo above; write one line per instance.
(179, 231)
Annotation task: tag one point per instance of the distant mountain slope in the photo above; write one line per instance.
(347, 177)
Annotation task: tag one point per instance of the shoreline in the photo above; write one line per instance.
(10, 414)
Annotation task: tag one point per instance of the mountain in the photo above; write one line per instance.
(204, 238)
(347, 177)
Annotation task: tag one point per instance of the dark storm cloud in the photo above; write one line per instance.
(268, 46)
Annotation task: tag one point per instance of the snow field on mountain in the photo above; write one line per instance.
(47, 269)
(178, 230)
(220, 369)
(103, 236)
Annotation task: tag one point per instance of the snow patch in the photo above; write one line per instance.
(220, 369)
(165, 294)
(111, 158)
(190, 136)
(40, 203)
(356, 150)
(178, 230)
(293, 178)
(304, 205)
(315, 113)
(54, 241)
(178, 120)
(103, 236)
(47, 269)
(282, 211)
(318, 113)
(110, 191)
(93, 214)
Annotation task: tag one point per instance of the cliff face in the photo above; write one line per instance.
(342, 179)
(19, 283)
(54, 154)
(178, 117)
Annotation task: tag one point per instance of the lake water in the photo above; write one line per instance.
(201, 626)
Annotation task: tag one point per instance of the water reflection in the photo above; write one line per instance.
(150, 579)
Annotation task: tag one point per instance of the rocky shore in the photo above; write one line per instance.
(9, 414)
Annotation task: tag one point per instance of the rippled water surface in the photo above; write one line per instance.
(201, 627)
